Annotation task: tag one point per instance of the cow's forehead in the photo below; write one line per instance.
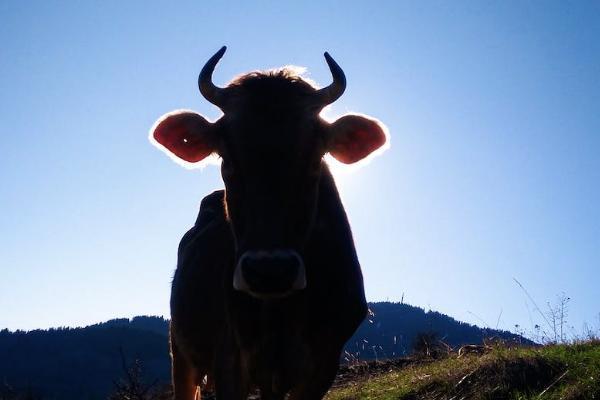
(270, 113)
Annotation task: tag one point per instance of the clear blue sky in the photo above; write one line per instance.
(494, 170)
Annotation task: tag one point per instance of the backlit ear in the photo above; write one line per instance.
(185, 134)
(353, 137)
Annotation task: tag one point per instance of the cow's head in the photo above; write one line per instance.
(271, 140)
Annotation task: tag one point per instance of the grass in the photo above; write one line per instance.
(550, 372)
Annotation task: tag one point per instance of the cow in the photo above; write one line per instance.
(268, 287)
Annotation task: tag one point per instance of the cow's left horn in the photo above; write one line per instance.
(331, 93)
(209, 90)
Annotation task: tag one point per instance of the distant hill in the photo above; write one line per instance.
(391, 328)
(83, 363)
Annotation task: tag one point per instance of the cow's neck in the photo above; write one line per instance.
(328, 193)
(330, 212)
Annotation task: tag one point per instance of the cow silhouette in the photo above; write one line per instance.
(268, 287)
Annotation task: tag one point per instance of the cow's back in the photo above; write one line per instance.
(205, 256)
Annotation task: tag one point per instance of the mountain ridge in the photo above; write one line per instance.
(82, 363)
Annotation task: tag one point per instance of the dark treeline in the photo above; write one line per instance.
(84, 363)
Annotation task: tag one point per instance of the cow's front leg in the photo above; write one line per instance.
(184, 376)
(317, 382)
(231, 381)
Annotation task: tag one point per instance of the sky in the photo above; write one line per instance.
(492, 175)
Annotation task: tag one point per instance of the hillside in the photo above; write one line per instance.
(502, 372)
(83, 363)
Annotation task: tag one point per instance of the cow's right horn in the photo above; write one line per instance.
(209, 90)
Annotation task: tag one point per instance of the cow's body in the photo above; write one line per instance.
(277, 345)
(268, 287)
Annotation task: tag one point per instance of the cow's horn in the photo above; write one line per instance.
(209, 90)
(331, 93)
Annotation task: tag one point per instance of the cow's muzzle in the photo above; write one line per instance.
(270, 274)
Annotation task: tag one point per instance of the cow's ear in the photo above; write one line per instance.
(353, 137)
(185, 134)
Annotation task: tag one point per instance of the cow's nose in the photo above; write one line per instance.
(267, 274)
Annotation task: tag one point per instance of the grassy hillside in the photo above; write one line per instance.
(548, 372)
